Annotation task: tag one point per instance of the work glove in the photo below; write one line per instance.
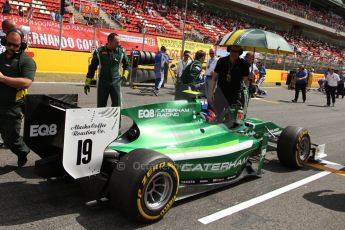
(125, 74)
(87, 85)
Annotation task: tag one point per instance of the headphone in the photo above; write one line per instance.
(23, 44)
(228, 49)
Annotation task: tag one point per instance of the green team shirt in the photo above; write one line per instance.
(19, 66)
(108, 62)
(192, 72)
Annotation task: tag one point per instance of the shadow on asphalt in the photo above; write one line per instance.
(276, 167)
(284, 101)
(26, 172)
(320, 106)
(23, 203)
(327, 199)
(7, 169)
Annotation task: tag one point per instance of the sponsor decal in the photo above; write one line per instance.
(43, 130)
(151, 113)
(213, 167)
(208, 181)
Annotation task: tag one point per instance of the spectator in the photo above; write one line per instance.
(310, 78)
(29, 12)
(262, 76)
(210, 66)
(6, 7)
(301, 84)
(71, 20)
(181, 66)
(57, 16)
(340, 88)
(6, 26)
(20, 11)
(52, 15)
(332, 80)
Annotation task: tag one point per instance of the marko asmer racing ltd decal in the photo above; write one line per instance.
(166, 112)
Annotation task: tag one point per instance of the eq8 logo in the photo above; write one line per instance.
(146, 113)
(43, 130)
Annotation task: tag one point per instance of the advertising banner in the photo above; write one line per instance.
(174, 46)
(45, 34)
(129, 40)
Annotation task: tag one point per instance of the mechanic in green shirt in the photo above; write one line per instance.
(17, 72)
(109, 59)
(191, 77)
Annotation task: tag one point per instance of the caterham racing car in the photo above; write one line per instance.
(172, 150)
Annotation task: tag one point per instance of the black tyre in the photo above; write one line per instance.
(144, 185)
(142, 58)
(152, 75)
(294, 147)
(140, 76)
(145, 75)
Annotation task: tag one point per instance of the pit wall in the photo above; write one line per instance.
(69, 63)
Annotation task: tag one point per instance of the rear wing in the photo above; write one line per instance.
(56, 126)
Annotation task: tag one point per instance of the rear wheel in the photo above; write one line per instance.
(144, 185)
(293, 147)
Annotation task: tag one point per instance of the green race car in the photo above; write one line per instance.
(172, 150)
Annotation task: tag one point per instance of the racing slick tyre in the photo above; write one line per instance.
(144, 184)
(294, 147)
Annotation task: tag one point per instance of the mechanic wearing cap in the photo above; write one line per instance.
(161, 60)
(301, 84)
(191, 76)
(230, 73)
(17, 71)
(109, 59)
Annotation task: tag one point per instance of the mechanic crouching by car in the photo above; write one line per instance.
(191, 76)
(108, 58)
(17, 72)
(230, 73)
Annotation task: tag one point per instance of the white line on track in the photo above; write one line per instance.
(239, 207)
(260, 99)
(62, 82)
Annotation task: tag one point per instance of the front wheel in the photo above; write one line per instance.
(144, 185)
(294, 147)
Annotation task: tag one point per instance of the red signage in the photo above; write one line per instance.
(45, 34)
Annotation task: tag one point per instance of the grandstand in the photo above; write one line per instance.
(316, 29)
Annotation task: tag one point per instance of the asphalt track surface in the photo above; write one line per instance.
(29, 202)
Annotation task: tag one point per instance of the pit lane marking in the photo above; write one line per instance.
(328, 166)
(257, 200)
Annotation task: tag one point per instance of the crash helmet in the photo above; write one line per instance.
(209, 115)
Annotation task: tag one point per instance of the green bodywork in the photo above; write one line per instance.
(200, 150)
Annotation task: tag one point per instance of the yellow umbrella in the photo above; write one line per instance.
(258, 41)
